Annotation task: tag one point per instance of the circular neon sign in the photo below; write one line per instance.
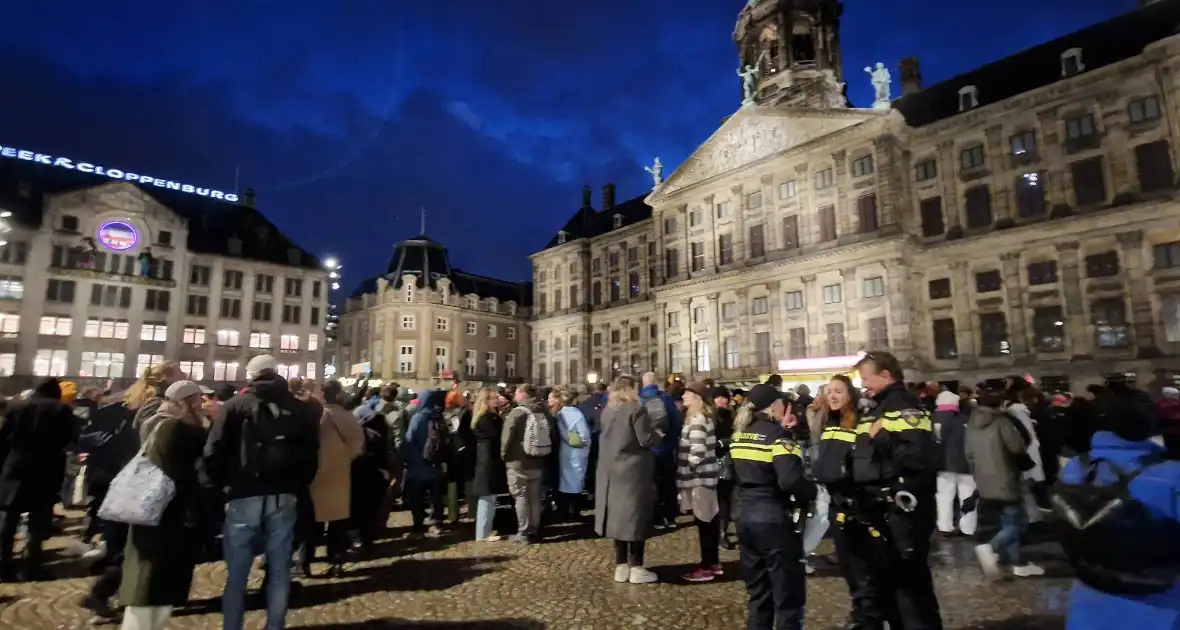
(118, 235)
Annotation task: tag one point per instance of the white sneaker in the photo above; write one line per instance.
(79, 548)
(622, 573)
(808, 568)
(988, 559)
(640, 575)
(99, 551)
(1028, 570)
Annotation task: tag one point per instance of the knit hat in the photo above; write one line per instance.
(69, 391)
(698, 388)
(947, 398)
(260, 364)
(762, 396)
(180, 390)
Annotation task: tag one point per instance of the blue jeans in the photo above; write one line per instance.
(485, 510)
(271, 518)
(1006, 542)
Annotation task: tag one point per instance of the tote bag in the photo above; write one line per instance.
(140, 492)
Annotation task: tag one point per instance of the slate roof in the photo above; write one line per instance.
(1102, 44)
(428, 261)
(211, 223)
(587, 222)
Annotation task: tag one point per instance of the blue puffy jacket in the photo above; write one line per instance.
(1156, 488)
(671, 443)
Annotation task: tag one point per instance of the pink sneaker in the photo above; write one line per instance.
(717, 570)
(700, 575)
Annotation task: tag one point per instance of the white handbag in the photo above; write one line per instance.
(140, 492)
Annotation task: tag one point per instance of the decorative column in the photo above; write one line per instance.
(713, 334)
(1001, 188)
(890, 185)
(1014, 294)
(687, 360)
(1075, 306)
(947, 161)
(964, 313)
(1111, 108)
(745, 330)
(920, 329)
(778, 313)
(770, 236)
(711, 250)
(813, 303)
(896, 276)
(808, 230)
(1142, 318)
(662, 367)
(1049, 148)
(845, 222)
(738, 208)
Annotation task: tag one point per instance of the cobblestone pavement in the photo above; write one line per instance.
(454, 583)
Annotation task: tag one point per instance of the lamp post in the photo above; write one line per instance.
(332, 318)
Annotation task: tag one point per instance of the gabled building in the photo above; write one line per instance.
(1017, 218)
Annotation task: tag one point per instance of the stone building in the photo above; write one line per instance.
(423, 323)
(224, 284)
(1018, 218)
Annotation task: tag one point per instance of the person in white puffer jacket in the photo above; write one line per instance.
(1018, 409)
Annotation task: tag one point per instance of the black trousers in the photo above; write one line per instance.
(909, 567)
(38, 529)
(111, 576)
(709, 537)
(569, 506)
(336, 542)
(629, 552)
(863, 558)
(725, 503)
(772, 563)
(667, 494)
(418, 493)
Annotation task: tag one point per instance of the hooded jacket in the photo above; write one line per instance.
(33, 440)
(950, 431)
(994, 446)
(222, 462)
(1156, 488)
(670, 423)
(413, 447)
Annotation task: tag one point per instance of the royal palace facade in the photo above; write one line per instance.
(1019, 218)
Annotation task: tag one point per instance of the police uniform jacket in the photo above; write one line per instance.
(835, 454)
(904, 452)
(769, 471)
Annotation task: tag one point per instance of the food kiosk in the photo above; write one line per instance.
(816, 372)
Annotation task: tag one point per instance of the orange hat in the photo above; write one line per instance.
(69, 391)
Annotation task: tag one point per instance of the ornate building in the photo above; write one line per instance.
(78, 301)
(424, 323)
(1020, 217)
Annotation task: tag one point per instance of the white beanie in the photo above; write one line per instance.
(946, 398)
(180, 390)
(260, 364)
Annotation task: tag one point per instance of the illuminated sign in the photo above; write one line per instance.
(114, 173)
(118, 235)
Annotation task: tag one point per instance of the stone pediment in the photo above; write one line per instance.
(755, 133)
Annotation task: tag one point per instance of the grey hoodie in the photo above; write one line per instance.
(993, 446)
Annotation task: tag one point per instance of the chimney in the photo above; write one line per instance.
(911, 76)
(586, 193)
(248, 198)
(608, 197)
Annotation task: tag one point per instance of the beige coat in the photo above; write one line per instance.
(341, 440)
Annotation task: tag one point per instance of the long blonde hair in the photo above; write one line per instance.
(622, 391)
(485, 400)
(146, 387)
(563, 398)
(745, 416)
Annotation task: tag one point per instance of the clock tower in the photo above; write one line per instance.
(793, 46)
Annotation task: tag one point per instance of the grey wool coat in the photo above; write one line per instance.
(625, 495)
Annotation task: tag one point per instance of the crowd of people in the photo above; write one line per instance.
(175, 475)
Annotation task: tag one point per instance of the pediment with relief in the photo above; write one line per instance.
(755, 133)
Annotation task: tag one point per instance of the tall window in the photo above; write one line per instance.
(925, 170)
(102, 365)
(721, 210)
(797, 343)
(729, 347)
(835, 340)
(827, 224)
(993, 335)
(405, 359)
(489, 361)
(510, 365)
(675, 361)
(725, 249)
(930, 210)
(1030, 195)
(701, 355)
(157, 300)
(289, 343)
(878, 333)
(51, 363)
(145, 361)
(288, 371)
(824, 179)
(754, 200)
(1110, 323)
(760, 306)
(194, 369)
(1049, 329)
(791, 232)
(671, 262)
(762, 349)
(225, 371)
(1153, 161)
(946, 344)
(228, 338)
(1023, 143)
(978, 201)
(260, 340)
(757, 246)
(442, 362)
(1089, 181)
(866, 212)
(697, 256)
(833, 294)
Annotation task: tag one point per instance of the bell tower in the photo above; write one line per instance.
(793, 49)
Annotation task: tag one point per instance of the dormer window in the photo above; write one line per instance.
(1071, 62)
(968, 98)
(561, 236)
(409, 289)
(473, 303)
(618, 221)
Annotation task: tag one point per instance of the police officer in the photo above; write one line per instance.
(771, 490)
(902, 476)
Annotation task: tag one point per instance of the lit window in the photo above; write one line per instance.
(442, 324)
(51, 363)
(56, 326)
(490, 361)
(7, 363)
(230, 338)
(101, 364)
(223, 371)
(491, 331)
(289, 343)
(288, 371)
(194, 334)
(153, 332)
(469, 363)
(309, 372)
(407, 322)
(510, 365)
(11, 288)
(194, 370)
(145, 361)
(259, 340)
(441, 362)
(313, 342)
(405, 359)
(9, 324)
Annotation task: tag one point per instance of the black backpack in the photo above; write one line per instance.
(438, 438)
(272, 447)
(1114, 542)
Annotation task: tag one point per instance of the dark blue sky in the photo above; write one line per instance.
(347, 115)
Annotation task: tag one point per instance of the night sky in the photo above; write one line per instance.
(490, 113)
